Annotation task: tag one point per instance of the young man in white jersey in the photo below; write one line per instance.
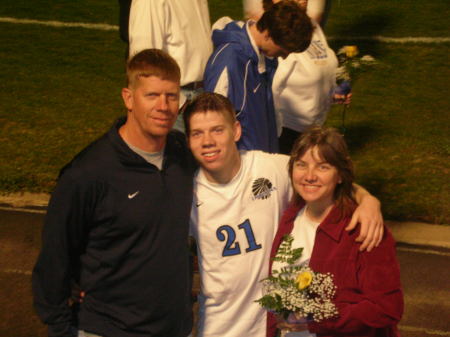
(239, 198)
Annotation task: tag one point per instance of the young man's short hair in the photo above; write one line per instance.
(288, 26)
(209, 101)
(152, 62)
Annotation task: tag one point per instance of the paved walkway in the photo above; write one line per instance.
(414, 233)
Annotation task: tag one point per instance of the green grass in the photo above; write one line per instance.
(97, 11)
(56, 99)
(397, 130)
(396, 18)
(60, 89)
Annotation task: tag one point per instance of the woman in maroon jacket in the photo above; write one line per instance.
(369, 296)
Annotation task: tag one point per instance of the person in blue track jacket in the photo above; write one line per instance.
(243, 64)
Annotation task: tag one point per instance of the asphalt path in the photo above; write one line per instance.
(425, 277)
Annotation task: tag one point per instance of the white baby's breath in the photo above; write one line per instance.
(368, 58)
(282, 293)
(350, 65)
(342, 74)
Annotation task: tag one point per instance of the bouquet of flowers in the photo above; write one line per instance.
(349, 66)
(297, 289)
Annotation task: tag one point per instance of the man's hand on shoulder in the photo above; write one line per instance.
(368, 215)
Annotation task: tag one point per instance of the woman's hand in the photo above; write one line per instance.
(292, 323)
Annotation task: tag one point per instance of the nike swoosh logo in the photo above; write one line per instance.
(131, 196)
(198, 204)
(257, 87)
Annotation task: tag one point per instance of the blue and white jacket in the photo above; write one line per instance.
(238, 71)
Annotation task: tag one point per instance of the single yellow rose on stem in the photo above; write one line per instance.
(303, 280)
(351, 51)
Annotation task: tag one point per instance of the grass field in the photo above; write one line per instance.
(60, 89)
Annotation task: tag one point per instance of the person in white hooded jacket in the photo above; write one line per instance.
(304, 83)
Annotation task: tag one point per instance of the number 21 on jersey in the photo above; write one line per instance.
(232, 247)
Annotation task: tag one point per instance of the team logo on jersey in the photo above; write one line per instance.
(262, 188)
(317, 50)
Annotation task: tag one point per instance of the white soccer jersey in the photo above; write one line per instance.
(234, 225)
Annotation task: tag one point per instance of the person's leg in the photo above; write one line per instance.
(82, 333)
(124, 18)
(287, 140)
(186, 95)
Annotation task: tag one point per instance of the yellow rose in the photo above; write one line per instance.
(303, 280)
(351, 51)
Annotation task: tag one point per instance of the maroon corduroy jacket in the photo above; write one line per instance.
(369, 296)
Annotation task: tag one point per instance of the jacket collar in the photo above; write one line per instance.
(260, 58)
(334, 224)
(175, 149)
(126, 155)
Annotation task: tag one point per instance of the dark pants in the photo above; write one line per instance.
(124, 18)
(287, 140)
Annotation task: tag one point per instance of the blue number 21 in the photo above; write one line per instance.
(232, 247)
